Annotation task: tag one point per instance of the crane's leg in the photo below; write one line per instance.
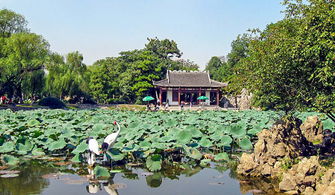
(110, 157)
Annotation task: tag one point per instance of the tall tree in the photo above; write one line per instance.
(23, 53)
(67, 79)
(163, 48)
(290, 65)
(11, 22)
(214, 66)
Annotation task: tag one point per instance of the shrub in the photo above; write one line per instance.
(52, 102)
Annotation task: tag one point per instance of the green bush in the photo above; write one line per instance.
(52, 102)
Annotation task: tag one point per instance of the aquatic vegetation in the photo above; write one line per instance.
(150, 138)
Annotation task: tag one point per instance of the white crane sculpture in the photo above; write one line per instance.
(110, 140)
(93, 148)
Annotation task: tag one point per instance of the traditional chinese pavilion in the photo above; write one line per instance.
(182, 86)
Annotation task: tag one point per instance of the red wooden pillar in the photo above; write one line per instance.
(179, 96)
(199, 96)
(217, 97)
(160, 96)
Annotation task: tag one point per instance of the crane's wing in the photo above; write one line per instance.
(93, 146)
(111, 138)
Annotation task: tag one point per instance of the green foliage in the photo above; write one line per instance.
(10, 160)
(289, 65)
(51, 102)
(154, 162)
(22, 59)
(129, 77)
(11, 22)
(67, 79)
(101, 171)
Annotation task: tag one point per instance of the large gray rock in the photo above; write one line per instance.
(284, 141)
(302, 176)
(312, 129)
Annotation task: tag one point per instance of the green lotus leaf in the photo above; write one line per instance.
(195, 132)
(221, 156)
(328, 124)
(154, 162)
(23, 149)
(10, 160)
(116, 155)
(33, 123)
(101, 172)
(7, 147)
(183, 137)
(204, 142)
(245, 144)
(226, 140)
(237, 130)
(145, 145)
(38, 152)
(193, 153)
(82, 147)
(205, 162)
(57, 145)
(76, 158)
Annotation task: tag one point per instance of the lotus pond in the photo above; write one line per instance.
(157, 145)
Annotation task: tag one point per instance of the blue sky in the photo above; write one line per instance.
(103, 28)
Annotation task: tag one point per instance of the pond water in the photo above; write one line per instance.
(40, 177)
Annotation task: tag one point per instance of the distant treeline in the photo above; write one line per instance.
(30, 70)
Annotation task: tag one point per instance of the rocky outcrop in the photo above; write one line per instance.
(302, 176)
(327, 184)
(312, 129)
(244, 100)
(285, 154)
(284, 141)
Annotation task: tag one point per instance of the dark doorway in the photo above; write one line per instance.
(212, 98)
(164, 95)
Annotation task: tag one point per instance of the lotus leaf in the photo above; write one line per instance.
(205, 162)
(193, 153)
(101, 172)
(183, 137)
(7, 147)
(204, 142)
(38, 152)
(116, 155)
(154, 162)
(237, 131)
(221, 156)
(33, 123)
(226, 140)
(76, 158)
(23, 149)
(328, 124)
(57, 145)
(82, 147)
(10, 160)
(245, 144)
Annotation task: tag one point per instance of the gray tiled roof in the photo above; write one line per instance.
(188, 79)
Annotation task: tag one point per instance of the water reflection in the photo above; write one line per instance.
(29, 181)
(39, 177)
(154, 180)
(95, 185)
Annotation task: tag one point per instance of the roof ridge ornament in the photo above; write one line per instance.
(167, 76)
(209, 78)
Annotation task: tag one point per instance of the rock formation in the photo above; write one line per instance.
(285, 154)
(312, 129)
(284, 141)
